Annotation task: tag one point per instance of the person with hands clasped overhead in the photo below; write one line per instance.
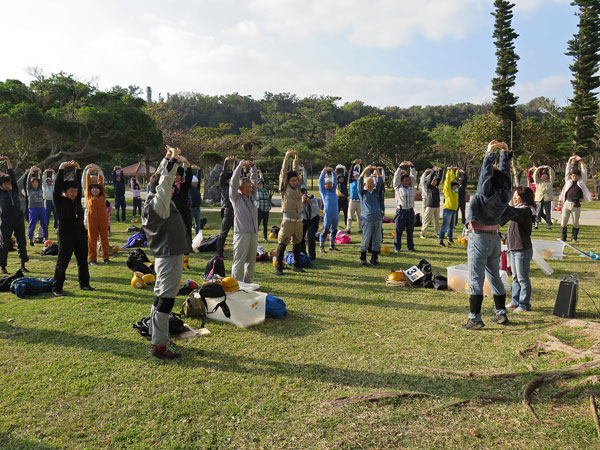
(543, 177)
(181, 198)
(226, 206)
(37, 211)
(404, 183)
(369, 192)
(432, 209)
(11, 217)
(97, 220)
(264, 205)
(119, 189)
(354, 199)
(331, 212)
(451, 187)
(573, 193)
(48, 190)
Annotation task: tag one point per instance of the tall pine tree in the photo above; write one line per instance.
(584, 48)
(506, 69)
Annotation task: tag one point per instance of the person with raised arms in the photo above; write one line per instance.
(119, 190)
(331, 212)
(573, 193)
(369, 190)
(405, 204)
(37, 211)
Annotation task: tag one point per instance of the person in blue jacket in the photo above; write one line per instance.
(331, 211)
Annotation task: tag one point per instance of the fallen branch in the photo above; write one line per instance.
(376, 397)
(528, 391)
(594, 379)
(594, 409)
(481, 398)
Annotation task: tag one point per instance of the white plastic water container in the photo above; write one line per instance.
(458, 279)
(247, 308)
(549, 249)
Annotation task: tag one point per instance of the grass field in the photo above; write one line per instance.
(75, 375)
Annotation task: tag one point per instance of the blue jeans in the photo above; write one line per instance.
(484, 252)
(371, 230)
(448, 221)
(405, 220)
(520, 261)
(544, 208)
(50, 210)
(120, 205)
(197, 218)
(330, 224)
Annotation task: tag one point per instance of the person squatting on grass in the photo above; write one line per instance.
(543, 177)
(573, 193)
(518, 240)
(242, 192)
(291, 206)
(450, 188)
(226, 206)
(405, 204)
(37, 211)
(310, 223)
(165, 231)
(97, 221)
(11, 217)
(72, 235)
(369, 192)
(354, 200)
(263, 199)
(119, 189)
(48, 190)
(487, 210)
(331, 211)
(432, 211)
(181, 198)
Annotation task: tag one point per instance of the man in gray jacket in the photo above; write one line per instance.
(242, 193)
(165, 232)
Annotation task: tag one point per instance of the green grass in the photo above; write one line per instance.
(75, 375)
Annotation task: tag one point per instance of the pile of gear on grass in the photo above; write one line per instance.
(421, 276)
(218, 297)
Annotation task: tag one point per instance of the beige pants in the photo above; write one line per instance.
(353, 208)
(290, 230)
(568, 209)
(424, 198)
(431, 214)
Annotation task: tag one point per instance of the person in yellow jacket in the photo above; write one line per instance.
(450, 190)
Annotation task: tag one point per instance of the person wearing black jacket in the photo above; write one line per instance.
(518, 240)
(119, 186)
(226, 206)
(462, 195)
(11, 218)
(432, 210)
(181, 198)
(342, 193)
(72, 235)
(310, 223)
(196, 199)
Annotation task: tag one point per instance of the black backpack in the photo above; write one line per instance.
(136, 260)
(195, 305)
(216, 266)
(51, 249)
(7, 280)
(176, 325)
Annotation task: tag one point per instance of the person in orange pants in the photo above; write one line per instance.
(97, 220)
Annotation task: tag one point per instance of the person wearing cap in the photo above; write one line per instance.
(310, 223)
(405, 204)
(72, 235)
(242, 193)
(196, 199)
(264, 205)
(354, 200)
(572, 194)
(37, 211)
(11, 218)
(181, 198)
(331, 212)
(226, 206)
(165, 229)
(370, 203)
(119, 189)
(291, 206)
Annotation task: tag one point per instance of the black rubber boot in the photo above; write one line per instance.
(563, 231)
(363, 258)
(374, 258)
(475, 302)
(574, 234)
(280, 254)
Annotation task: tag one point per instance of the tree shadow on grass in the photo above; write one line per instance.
(9, 442)
(251, 366)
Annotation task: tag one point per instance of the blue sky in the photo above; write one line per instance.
(383, 52)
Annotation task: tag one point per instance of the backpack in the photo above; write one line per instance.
(176, 325)
(137, 240)
(133, 229)
(440, 282)
(216, 266)
(208, 244)
(274, 307)
(136, 262)
(22, 287)
(195, 305)
(51, 249)
(6, 281)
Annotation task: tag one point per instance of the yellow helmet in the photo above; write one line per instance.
(271, 235)
(230, 284)
(149, 278)
(396, 275)
(137, 281)
(385, 250)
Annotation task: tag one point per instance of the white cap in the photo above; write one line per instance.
(194, 179)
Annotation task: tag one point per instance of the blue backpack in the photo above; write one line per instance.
(275, 307)
(22, 287)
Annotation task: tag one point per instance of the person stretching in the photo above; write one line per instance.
(226, 206)
(291, 206)
(488, 208)
(310, 223)
(462, 196)
(242, 193)
(573, 193)
(354, 201)
(264, 205)
(405, 204)
(48, 189)
(11, 218)
(36, 203)
(432, 211)
(451, 187)
(369, 192)
(97, 220)
(166, 234)
(137, 196)
(341, 190)
(181, 198)
(72, 235)
(119, 185)
(544, 181)
(196, 200)
(331, 212)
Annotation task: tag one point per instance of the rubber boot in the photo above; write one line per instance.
(280, 254)
(374, 258)
(574, 234)
(297, 257)
(500, 303)
(475, 302)
(563, 231)
(186, 262)
(363, 258)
